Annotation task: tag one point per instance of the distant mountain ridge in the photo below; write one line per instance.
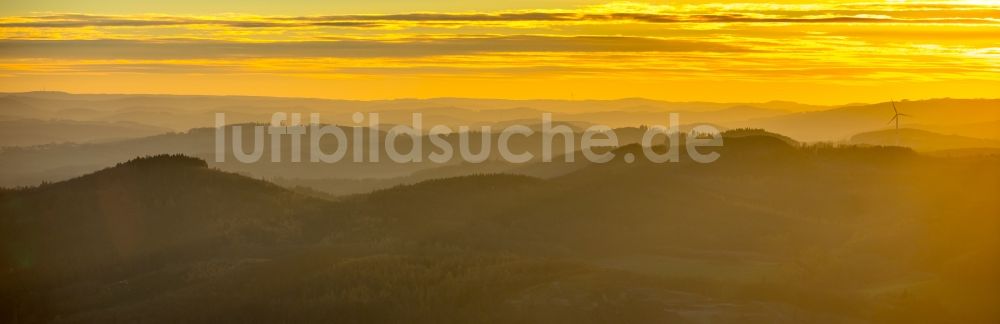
(841, 123)
(921, 140)
(806, 123)
(30, 132)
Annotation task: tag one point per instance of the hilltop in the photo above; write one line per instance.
(768, 231)
(141, 209)
(922, 140)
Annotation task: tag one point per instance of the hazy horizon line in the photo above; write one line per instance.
(488, 98)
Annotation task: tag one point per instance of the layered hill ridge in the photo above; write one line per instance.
(787, 229)
(842, 122)
(799, 121)
(117, 116)
(922, 140)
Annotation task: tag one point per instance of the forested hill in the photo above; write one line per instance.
(770, 232)
(144, 208)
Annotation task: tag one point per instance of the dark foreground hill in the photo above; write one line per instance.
(769, 233)
(141, 208)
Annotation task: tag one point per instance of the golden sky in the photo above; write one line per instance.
(813, 52)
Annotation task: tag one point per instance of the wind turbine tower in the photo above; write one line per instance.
(895, 118)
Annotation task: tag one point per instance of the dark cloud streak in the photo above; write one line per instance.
(412, 47)
(373, 21)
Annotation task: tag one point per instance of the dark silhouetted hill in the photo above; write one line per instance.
(142, 210)
(769, 232)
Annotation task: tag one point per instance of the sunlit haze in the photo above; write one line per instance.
(506, 161)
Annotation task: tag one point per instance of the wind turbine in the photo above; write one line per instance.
(895, 118)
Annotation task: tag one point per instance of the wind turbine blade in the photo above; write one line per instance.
(906, 115)
(894, 106)
(893, 119)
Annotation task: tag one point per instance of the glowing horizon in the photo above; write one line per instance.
(820, 52)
